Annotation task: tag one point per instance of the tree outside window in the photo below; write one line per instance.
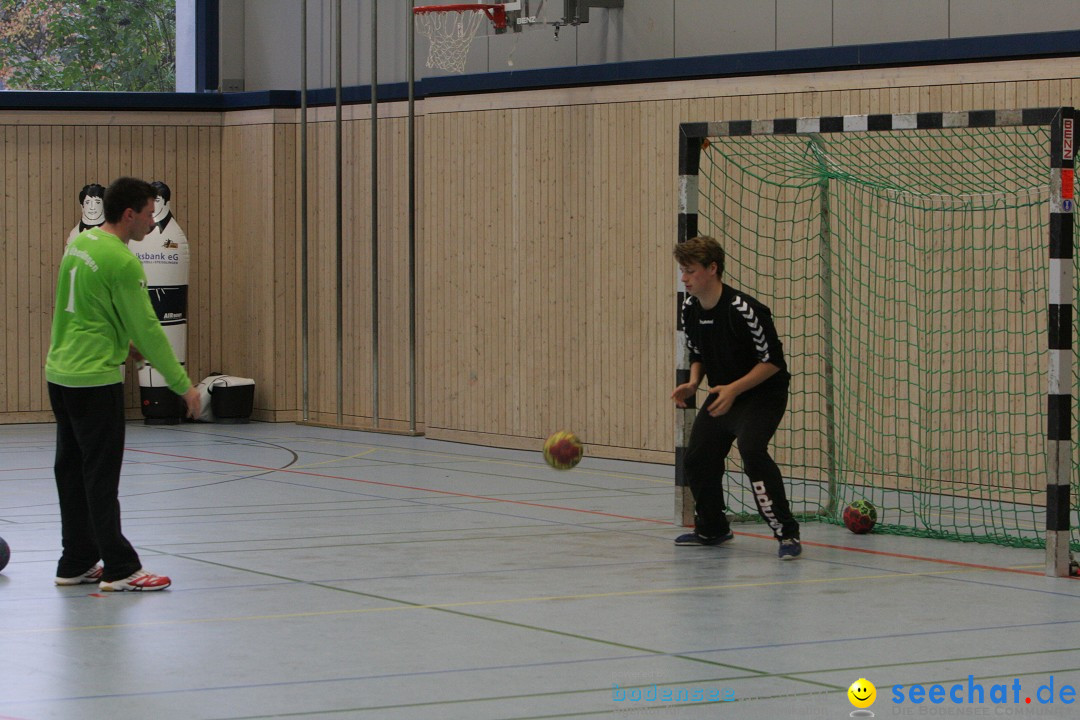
(92, 45)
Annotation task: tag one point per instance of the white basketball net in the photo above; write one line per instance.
(451, 33)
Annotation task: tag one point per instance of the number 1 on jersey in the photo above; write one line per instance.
(71, 293)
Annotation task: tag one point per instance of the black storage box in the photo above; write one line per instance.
(231, 398)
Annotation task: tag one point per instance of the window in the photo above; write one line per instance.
(90, 45)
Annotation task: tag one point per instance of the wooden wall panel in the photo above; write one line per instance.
(47, 160)
(357, 406)
(556, 319)
(589, 284)
(257, 310)
(545, 221)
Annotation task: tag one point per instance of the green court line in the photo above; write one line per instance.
(575, 531)
(750, 673)
(940, 661)
(953, 681)
(386, 543)
(401, 605)
(340, 505)
(532, 696)
(832, 689)
(404, 605)
(414, 532)
(536, 628)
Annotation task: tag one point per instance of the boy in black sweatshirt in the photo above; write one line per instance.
(733, 343)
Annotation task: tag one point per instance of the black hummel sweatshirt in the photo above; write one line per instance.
(732, 337)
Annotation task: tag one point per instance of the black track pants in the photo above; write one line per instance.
(751, 422)
(89, 452)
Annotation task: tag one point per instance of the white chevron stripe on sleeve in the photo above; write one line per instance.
(761, 344)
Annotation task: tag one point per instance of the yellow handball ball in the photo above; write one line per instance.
(563, 450)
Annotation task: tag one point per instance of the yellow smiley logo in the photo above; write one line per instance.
(862, 693)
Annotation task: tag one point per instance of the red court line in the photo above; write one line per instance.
(50, 467)
(407, 487)
(880, 553)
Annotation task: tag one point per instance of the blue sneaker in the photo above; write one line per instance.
(695, 539)
(790, 549)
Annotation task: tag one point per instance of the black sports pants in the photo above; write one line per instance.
(751, 422)
(89, 452)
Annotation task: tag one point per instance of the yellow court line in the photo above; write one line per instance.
(477, 603)
(334, 460)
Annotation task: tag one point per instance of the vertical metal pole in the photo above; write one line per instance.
(375, 213)
(410, 49)
(691, 140)
(825, 234)
(1061, 356)
(304, 212)
(338, 228)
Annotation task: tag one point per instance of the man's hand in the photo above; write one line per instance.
(683, 393)
(194, 403)
(725, 398)
(134, 354)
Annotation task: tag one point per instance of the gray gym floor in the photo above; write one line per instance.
(329, 574)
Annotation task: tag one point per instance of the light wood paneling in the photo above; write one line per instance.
(545, 222)
(357, 407)
(45, 166)
(587, 287)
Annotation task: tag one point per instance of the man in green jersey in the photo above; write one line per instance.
(102, 313)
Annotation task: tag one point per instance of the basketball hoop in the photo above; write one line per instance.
(451, 29)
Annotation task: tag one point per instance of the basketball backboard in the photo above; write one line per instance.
(451, 28)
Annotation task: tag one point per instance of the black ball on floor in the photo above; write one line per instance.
(5, 553)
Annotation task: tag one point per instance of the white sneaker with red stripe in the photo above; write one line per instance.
(140, 581)
(92, 575)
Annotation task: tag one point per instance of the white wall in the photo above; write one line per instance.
(260, 39)
(185, 46)
(270, 42)
(234, 31)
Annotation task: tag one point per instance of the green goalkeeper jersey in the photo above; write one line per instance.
(102, 305)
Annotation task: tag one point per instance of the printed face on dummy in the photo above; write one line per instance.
(161, 208)
(93, 210)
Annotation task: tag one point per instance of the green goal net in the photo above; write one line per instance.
(908, 275)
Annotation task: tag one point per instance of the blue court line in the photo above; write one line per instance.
(887, 636)
(950, 578)
(561, 663)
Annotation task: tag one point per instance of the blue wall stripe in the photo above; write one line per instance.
(850, 57)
